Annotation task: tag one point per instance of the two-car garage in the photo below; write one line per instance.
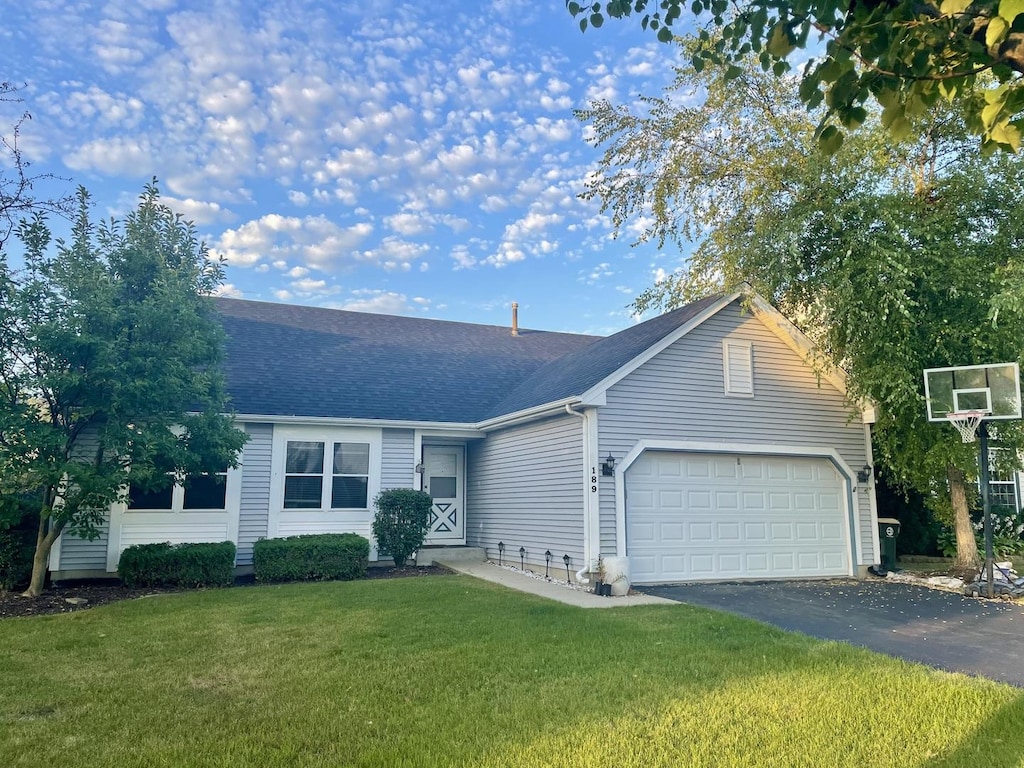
(694, 516)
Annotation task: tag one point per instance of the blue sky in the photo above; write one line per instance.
(417, 159)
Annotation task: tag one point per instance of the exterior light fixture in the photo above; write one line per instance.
(419, 468)
(547, 562)
(863, 475)
(608, 466)
(566, 559)
(501, 548)
(522, 558)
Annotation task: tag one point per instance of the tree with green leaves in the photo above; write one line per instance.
(908, 55)
(109, 367)
(893, 257)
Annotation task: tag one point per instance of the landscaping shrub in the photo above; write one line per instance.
(18, 523)
(314, 557)
(401, 522)
(17, 546)
(178, 565)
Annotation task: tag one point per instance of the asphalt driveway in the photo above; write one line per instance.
(940, 629)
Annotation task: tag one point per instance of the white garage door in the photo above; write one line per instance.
(698, 516)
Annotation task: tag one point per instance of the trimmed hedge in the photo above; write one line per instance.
(178, 565)
(313, 557)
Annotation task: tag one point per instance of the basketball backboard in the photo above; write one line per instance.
(993, 389)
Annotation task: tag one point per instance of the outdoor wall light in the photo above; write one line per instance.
(863, 475)
(419, 468)
(608, 466)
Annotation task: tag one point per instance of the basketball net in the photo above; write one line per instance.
(966, 423)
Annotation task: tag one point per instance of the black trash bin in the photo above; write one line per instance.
(888, 530)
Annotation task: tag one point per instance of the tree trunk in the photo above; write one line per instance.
(41, 558)
(966, 544)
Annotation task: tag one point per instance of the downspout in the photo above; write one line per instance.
(590, 560)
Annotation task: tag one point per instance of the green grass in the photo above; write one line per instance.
(449, 671)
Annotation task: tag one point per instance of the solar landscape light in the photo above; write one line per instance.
(501, 548)
(566, 559)
(522, 558)
(547, 562)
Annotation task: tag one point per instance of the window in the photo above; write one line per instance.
(348, 475)
(1002, 483)
(738, 365)
(198, 493)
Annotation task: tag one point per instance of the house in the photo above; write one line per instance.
(702, 444)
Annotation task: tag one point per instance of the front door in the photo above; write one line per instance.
(443, 480)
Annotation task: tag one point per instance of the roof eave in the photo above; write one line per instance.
(462, 428)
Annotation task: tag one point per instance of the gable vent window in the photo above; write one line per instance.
(738, 364)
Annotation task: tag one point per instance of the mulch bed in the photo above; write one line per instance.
(55, 598)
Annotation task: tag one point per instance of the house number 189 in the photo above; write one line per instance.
(593, 480)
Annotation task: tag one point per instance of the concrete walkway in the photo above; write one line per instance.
(552, 590)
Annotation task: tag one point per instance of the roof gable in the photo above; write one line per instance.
(590, 367)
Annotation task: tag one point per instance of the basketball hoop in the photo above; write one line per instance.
(966, 423)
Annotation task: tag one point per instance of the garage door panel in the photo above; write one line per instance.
(699, 500)
(728, 531)
(831, 532)
(727, 500)
(671, 532)
(700, 532)
(723, 516)
(807, 532)
(756, 531)
(754, 500)
(670, 499)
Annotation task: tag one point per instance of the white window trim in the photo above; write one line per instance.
(178, 501)
(731, 349)
(324, 520)
(121, 518)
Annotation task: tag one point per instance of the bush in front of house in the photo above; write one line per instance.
(313, 557)
(18, 527)
(17, 546)
(401, 522)
(178, 565)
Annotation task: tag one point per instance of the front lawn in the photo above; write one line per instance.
(449, 671)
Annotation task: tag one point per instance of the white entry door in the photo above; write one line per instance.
(443, 479)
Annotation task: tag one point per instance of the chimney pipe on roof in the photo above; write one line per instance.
(515, 318)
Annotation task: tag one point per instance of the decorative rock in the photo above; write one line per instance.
(949, 582)
(75, 600)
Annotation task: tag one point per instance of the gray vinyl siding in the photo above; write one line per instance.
(525, 487)
(397, 459)
(679, 395)
(83, 555)
(78, 554)
(255, 492)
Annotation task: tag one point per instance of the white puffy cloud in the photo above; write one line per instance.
(200, 212)
(385, 302)
(229, 290)
(313, 240)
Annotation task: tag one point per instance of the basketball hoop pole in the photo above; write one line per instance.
(986, 507)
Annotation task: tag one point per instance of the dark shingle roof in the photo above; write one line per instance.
(306, 361)
(578, 371)
(286, 360)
